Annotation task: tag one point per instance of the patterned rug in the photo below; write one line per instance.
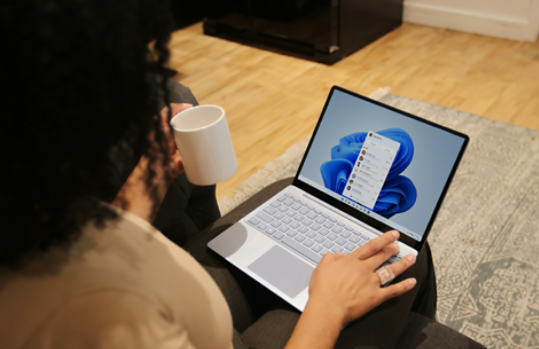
(485, 240)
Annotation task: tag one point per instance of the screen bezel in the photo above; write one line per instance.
(367, 219)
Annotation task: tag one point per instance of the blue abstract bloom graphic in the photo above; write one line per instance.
(398, 193)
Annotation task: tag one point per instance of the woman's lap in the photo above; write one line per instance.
(266, 321)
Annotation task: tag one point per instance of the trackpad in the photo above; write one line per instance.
(283, 270)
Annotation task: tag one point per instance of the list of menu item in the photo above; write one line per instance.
(371, 169)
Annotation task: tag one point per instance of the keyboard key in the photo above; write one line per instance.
(302, 249)
(303, 229)
(315, 226)
(340, 224)
(308, 243)
(294, 225)
(278, 235)
(286, 220)
(320, 220)
(304, 210)
(270, 210)
(331, 219)
(325, 215)
(332, 236)
(328, 224)
(346, 234)
(291, 213)
(270, 230)
(276, 204)
(262, 225)
(292, 233)
(281, 198)
(295, 199)
(307, 222)
(254, 220)
(350, 247)
(288, 195)
(328, 244)
(317, 248)
(396, 258)
(336, 249)
(288, 202)
(278, 215)
(354, 239)
(302, 203)
(264, 216)
(296, 206)
(347, 228)
(299, 217)
(284, 228)
(324, 251)
(317, 211)
(312, 215)
(319, 239)
(276, 224)
(336, 229)
(323, 231)
(300, 238)
(310, 207)
(311, 234)
(341, 241)
(356, 232)
(283, 208)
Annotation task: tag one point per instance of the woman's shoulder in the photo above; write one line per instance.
(110, 319)
(127, 256)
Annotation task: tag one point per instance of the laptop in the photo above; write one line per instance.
(369, 168)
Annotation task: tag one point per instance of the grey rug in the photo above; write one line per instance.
(485, 240)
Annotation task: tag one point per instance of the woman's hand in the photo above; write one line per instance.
(343, 288)
(349, 285)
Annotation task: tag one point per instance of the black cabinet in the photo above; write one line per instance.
(321, 30)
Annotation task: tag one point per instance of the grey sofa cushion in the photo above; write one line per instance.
(422, 333)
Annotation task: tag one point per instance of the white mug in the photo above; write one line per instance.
(203, 139)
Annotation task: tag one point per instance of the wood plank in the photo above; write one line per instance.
(273, 101)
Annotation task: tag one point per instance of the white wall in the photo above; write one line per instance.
(510, 19)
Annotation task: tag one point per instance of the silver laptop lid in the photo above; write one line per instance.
(385, 167)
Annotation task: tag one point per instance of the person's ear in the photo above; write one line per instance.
(176, 163)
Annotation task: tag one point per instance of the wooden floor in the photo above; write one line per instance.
(273, 101)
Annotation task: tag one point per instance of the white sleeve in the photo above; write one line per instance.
(110, 319)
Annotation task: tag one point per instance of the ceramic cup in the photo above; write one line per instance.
(203, 139)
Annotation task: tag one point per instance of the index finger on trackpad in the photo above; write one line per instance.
(282, 269)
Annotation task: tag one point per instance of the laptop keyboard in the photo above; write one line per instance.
(309, 231)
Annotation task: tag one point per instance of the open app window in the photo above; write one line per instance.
(381, 162)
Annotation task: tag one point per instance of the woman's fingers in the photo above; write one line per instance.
(397, 289)
(381, 256)
(179, 107)
(398, 267)
(374, 246)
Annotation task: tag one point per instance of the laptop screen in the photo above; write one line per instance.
(386, 164)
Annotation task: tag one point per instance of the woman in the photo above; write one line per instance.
(81, 264)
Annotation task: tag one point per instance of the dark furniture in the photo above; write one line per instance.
(321, 30)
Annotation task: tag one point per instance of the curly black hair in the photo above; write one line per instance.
(80, 78)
